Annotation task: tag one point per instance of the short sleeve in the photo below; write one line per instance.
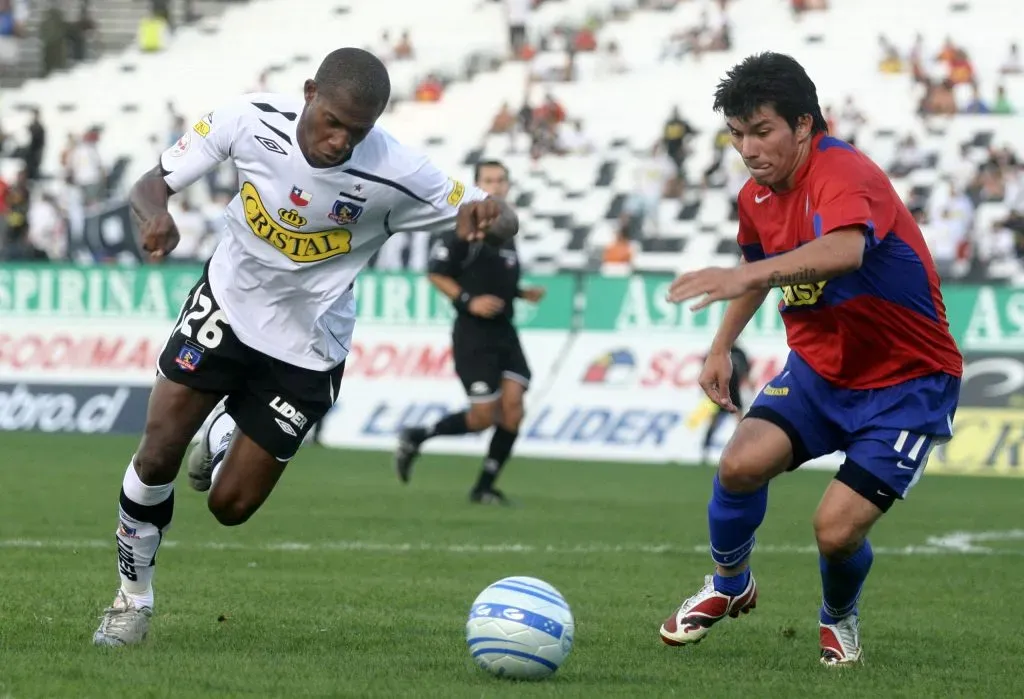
(845, 199)
(434, 201)
(747, 237)
(202, 147)
(447, 254)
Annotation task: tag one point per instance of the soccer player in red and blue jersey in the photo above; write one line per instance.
(873, 370)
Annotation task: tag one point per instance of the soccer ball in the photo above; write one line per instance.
(521, 628)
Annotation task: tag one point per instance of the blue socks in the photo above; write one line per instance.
(732, 520)
(841, 582)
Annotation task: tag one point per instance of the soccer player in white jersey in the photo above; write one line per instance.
(269, 323)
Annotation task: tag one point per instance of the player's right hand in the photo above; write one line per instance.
(486, 306)
(159, 236)
(714, 379)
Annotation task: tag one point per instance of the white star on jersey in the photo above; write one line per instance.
(296, 236)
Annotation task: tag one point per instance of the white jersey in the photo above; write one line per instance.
(297, 235)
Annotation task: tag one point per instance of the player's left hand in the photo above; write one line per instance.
(714, 283)
(534, 294)
(475, 217)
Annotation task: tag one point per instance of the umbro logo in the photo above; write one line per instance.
(271, 145)
(285, 427)
(759, 199)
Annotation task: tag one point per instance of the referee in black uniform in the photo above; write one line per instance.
(483, 282)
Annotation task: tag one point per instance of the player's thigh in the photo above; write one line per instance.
(892, 433)
(201, 362)
(175, 413)
(280, 403)
(278, 406)
(784, 428)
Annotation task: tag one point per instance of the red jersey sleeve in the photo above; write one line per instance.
(747, 237)
(847, 194)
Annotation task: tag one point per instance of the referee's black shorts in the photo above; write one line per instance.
(485, 353)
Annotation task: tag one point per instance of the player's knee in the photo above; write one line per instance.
(157, 463)
(512, 416)
(741, 472)
(480, 417)
(230, 510)
(837, 537)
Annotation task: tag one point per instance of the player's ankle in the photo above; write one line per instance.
(140, 599)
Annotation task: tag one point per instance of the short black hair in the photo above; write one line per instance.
(358, 72)
(481, 164)
(770, 79)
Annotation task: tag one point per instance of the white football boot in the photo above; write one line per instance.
(200, 459)
(122, 623)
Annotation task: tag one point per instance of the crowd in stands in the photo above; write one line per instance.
(36, 227)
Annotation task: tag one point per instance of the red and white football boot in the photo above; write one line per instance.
(695, 617)
(840, 642)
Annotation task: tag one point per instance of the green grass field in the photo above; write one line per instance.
(348, 584)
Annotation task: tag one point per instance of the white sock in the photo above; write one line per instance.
(138, 539)
(220, 432)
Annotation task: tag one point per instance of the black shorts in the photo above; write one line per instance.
(486, 353)
(274, 403)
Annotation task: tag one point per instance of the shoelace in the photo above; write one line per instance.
(709, 582)
(116, 619)
(846, 629)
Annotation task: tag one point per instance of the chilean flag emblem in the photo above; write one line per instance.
(300, 197)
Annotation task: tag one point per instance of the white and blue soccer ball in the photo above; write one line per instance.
(520, 628)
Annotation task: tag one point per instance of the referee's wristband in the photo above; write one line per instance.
(461, 301)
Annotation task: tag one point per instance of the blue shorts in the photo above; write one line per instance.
(887, 432)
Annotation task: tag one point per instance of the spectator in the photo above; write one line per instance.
(975, 105)
(53, 32)
(191, 227)
(890, 61)
(13, 15)
(1012, 65)
(1002, 104)
(961, 71)
(938, 99)
(403, 49)
(851, 120)
(504, 121)
(572, 139)
(518, 13)
(948, 51)
(584, 40)
(722, 141)
(16, 205)
(908, 157)
(610, 61)
(675, 135)
(651, 175)
(385, 49)
(47, 231)
(87, 168)
(430, 89)
(617, 257)
(33, 155)
(551, 112)
(80, 33)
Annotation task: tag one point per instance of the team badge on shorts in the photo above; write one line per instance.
(188, 358)
(345, 212)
